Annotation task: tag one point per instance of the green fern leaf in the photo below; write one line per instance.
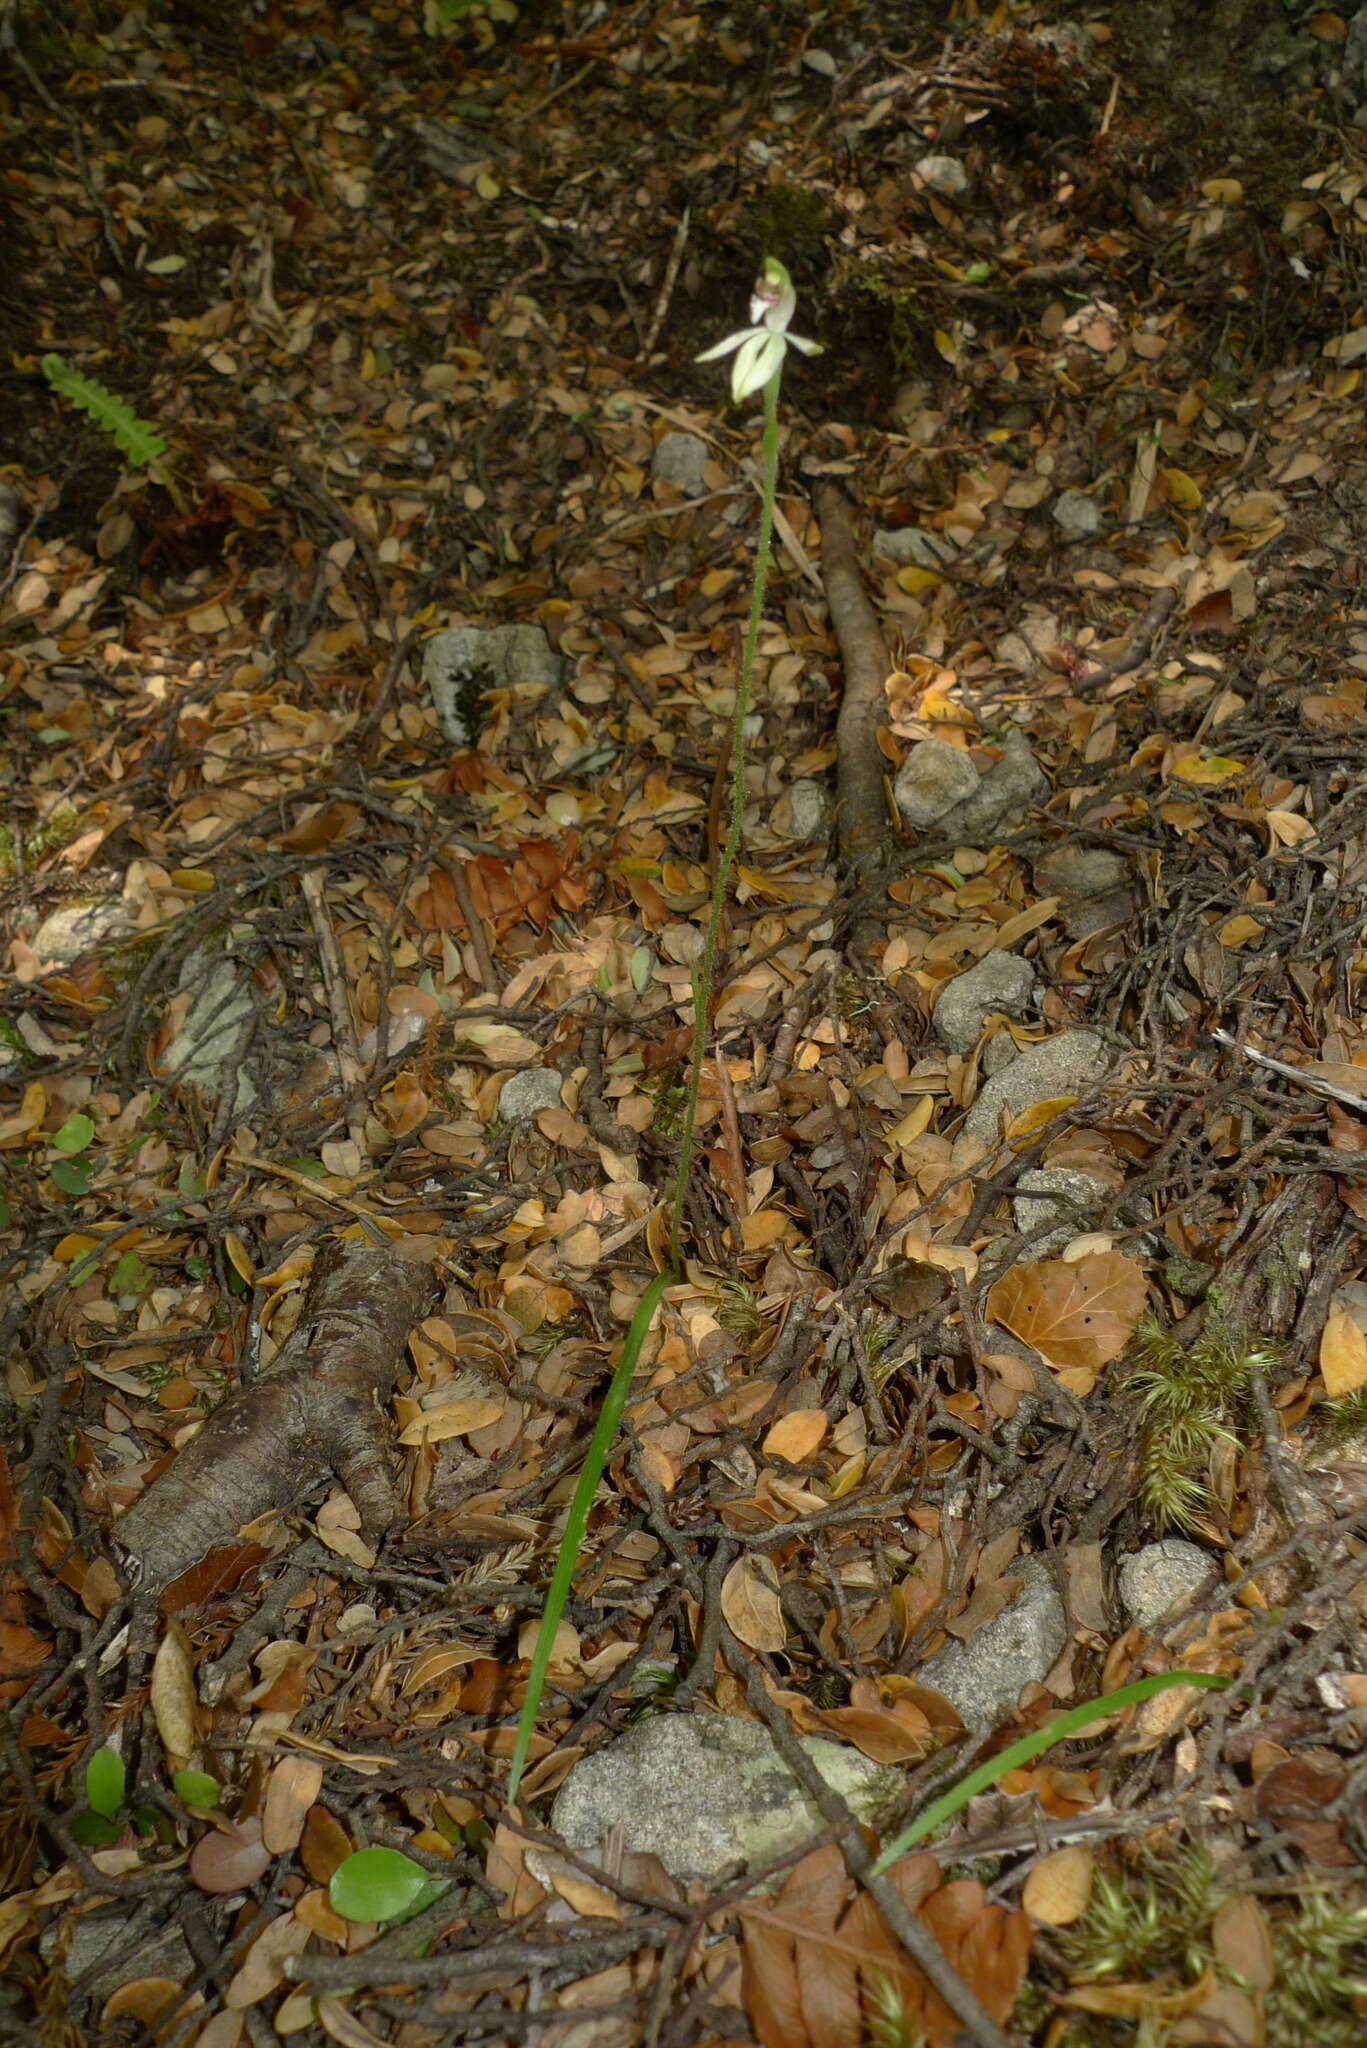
(134, 437)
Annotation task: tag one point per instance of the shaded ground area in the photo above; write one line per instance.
(1025, 1229)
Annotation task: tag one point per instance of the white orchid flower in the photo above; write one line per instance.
(761, 347)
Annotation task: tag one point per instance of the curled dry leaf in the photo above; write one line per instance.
(1077, 1315)
(750, 1603)
(173, 1696)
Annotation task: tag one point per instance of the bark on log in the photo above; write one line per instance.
(320, 1408)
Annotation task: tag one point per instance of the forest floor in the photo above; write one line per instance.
(412, 309)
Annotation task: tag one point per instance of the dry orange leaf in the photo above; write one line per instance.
(1058, 1889)
(1343, 1355)
(750, 1603)
(796, 1435)
(1077, 1315)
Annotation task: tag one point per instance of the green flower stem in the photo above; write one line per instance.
(614, 1401)
(605, 1429)
(706, 966)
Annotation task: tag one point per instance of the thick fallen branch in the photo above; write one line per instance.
(319, 1409)
(862, 820)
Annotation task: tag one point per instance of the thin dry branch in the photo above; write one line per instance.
(318, 1410)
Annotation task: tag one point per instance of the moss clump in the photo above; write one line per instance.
(1189, 1399)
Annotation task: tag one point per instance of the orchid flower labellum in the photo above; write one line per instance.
(761, 347)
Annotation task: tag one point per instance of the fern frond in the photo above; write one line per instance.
(134, 438)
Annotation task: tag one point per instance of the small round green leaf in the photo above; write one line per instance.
(93, 1831)
(376, 1884)
(196, 1789)
(75, 1133)
(71, 1175)
(105, 1779)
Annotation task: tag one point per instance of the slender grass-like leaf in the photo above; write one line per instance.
(605, 1429)
(1030, 1746)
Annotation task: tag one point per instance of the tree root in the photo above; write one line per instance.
(320, 1408)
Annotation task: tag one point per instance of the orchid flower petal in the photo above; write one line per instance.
(759, 356)
(723, 348)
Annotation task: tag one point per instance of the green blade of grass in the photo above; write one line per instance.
(1030, 1746)
(605, 1429)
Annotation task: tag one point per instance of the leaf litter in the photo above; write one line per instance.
(422, 381)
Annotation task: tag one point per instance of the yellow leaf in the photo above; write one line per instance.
(1237, 931)
(74, 1246)
(1208, 770)
(913, 579)
(1224, 191)
(1036, 1117)
(1183, 491)
(914, 1122)
(1343, 1355)
(1059, 1887)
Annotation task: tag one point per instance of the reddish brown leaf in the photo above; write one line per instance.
(1077, 1315)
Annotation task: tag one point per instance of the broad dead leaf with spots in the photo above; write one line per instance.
(1077, 1316)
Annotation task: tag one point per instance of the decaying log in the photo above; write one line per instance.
(319, 1408)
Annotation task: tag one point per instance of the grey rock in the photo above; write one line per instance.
(678, 460)
(211, 1043)
(935, 778)
(498, 657)
(1095, 886)
(82, 924)
(944, 174)
(983, 1676)
(523, 1095)
(1010, 788)
(905, 544)
(803, 811)
(112, 1945)
(704, 1791)
(1077, 872)
(999, 981)
(1079, 515)
(1156, 1578)
(1061, 1195)
(1069, 1064)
